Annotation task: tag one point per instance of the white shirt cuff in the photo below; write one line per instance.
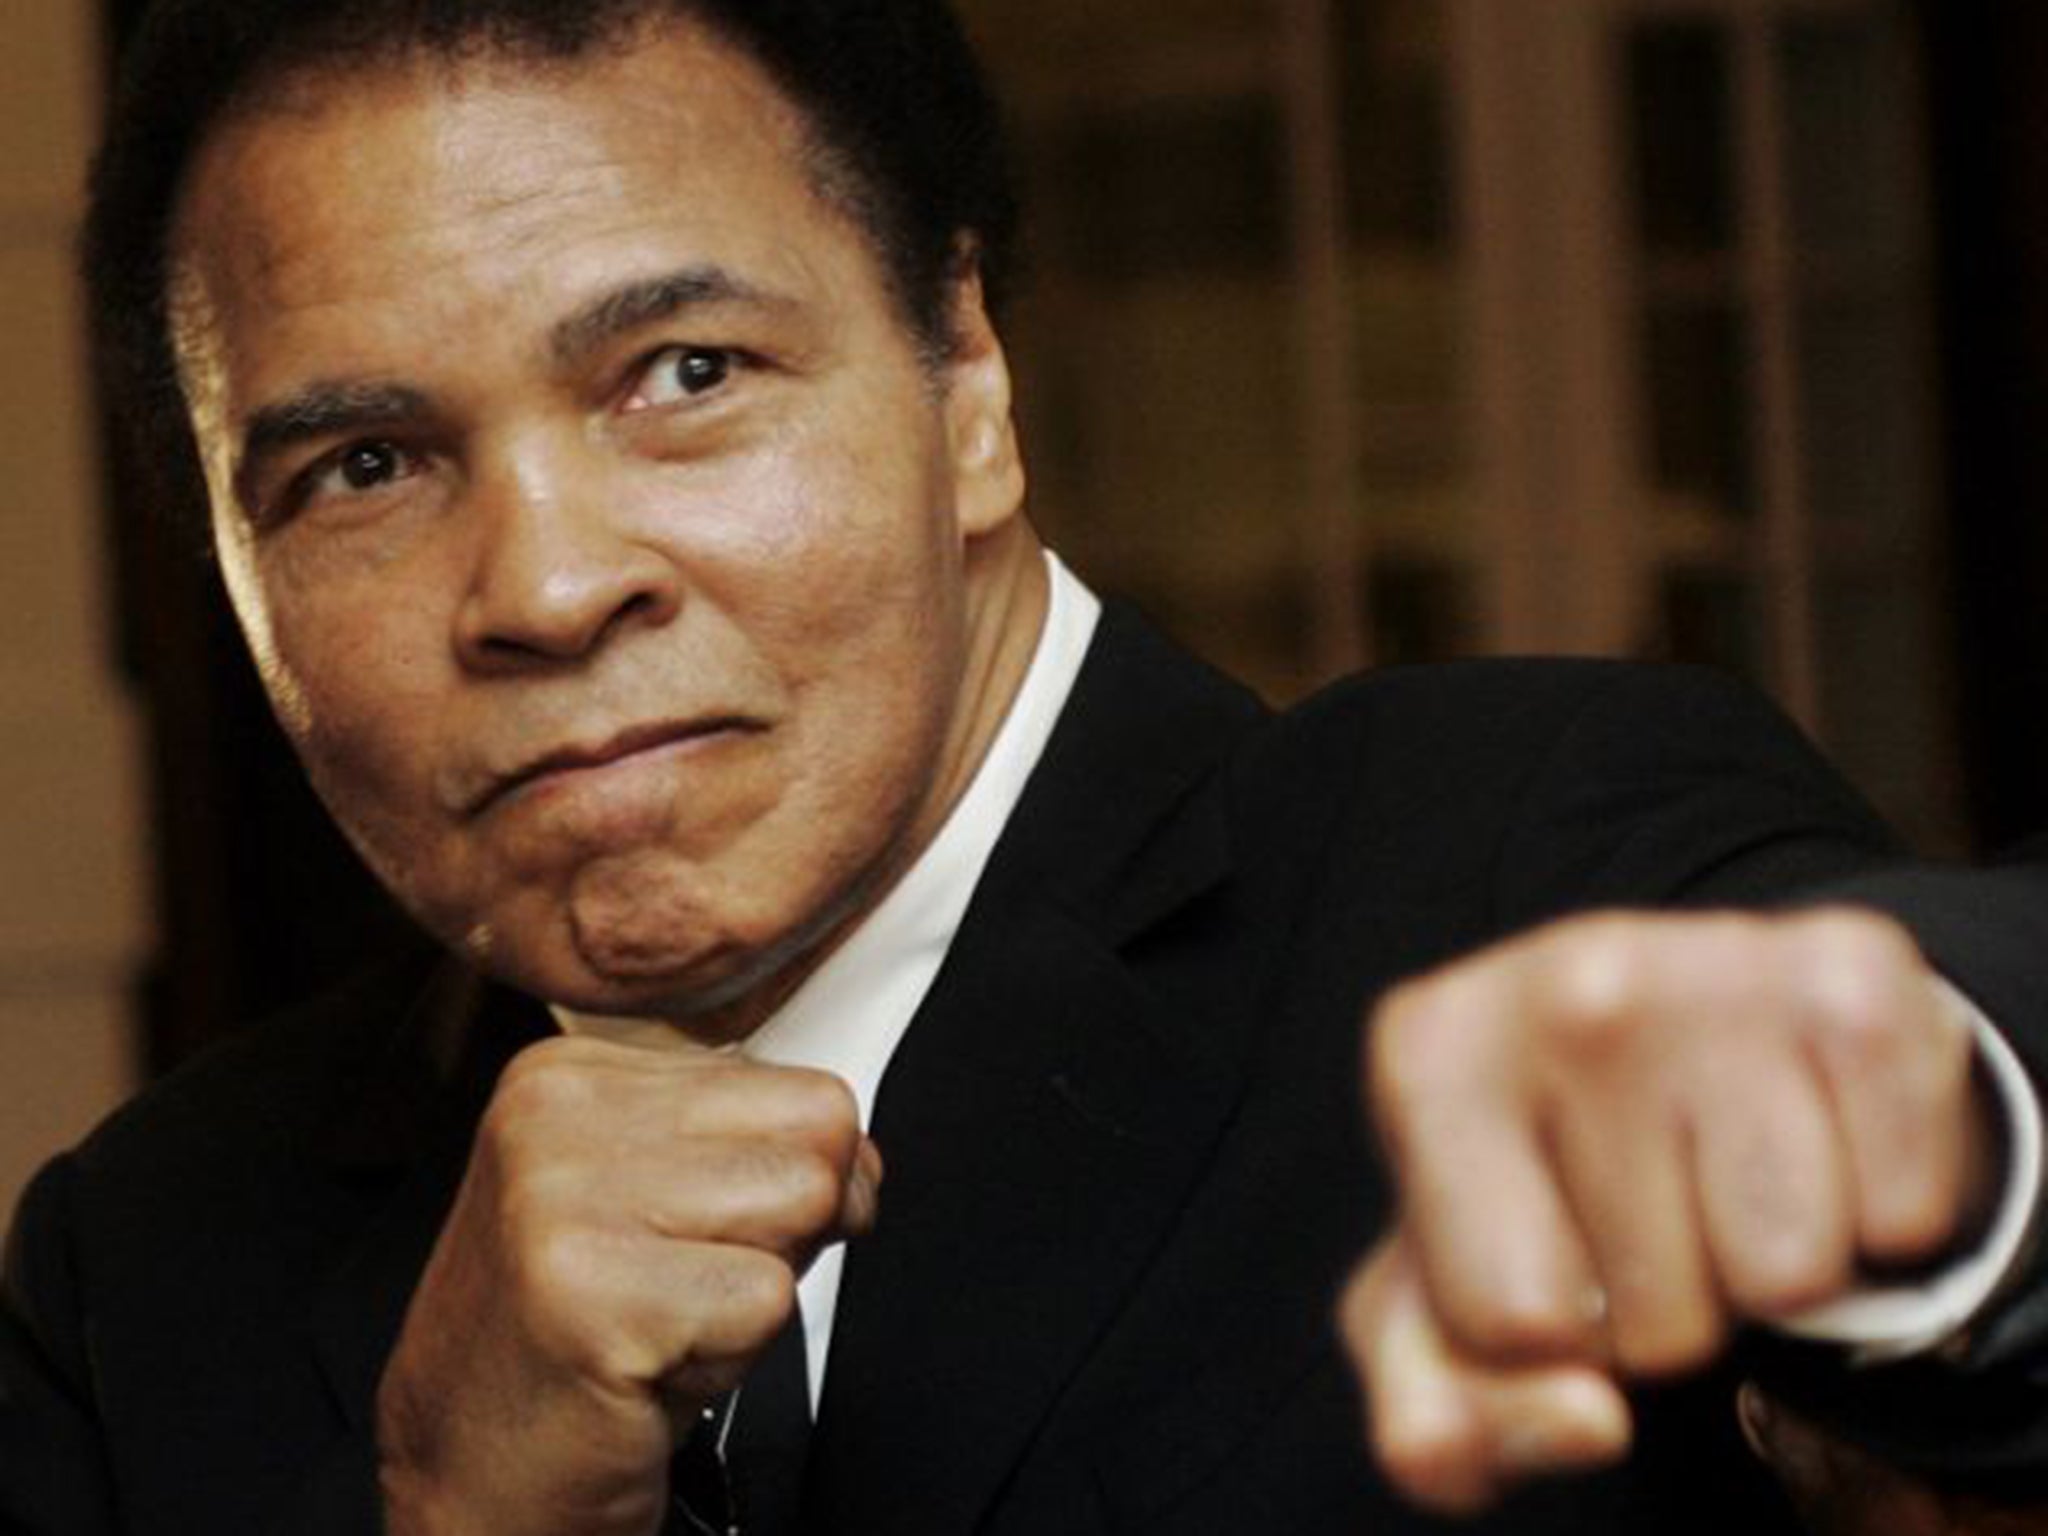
(1890, 1322)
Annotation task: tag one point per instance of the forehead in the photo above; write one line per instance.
(415, 177)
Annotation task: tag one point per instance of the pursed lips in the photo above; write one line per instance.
(624, 744)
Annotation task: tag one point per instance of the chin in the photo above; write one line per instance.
(601, 973)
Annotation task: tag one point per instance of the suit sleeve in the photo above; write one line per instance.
(1975, 1412)
(54, 1479)
(1679, 788)
(58, 1473)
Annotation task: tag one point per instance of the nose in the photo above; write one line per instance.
(553, 573)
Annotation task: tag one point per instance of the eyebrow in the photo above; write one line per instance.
(321, 410)
(632, 305)
(327, 408)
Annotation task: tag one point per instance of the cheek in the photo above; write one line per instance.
(844, 502)
(342, 664)
(854, 597)
(249, 596)
(854, 563)
(310, 649)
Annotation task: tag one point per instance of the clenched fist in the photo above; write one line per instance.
(1620, 1136)
(627, 1237)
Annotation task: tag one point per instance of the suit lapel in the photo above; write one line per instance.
(1042, 1119)
(1046, 1113)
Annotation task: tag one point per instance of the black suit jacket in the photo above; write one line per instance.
(1126, 1167)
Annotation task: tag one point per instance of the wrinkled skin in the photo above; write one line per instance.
(640, 595)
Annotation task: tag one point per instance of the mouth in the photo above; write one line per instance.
(568, 761)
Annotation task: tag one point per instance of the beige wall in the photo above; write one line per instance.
(73, 899)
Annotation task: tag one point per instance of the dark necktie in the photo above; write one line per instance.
(741, 1471)
(771, 1437)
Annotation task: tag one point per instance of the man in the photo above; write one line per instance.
(609, 451)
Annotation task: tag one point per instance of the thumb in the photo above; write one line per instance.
(1454, 1435)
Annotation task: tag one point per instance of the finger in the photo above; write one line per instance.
(1424, 1431)
(740, 1098)
(863, 1196)
(1895, 1060)
(635, 1313)
(1774, 1192)
(780, 1197)
(1601, 1017)
(740, 1299)
(1452, 1436)
(1627, 1177)
(631, 1097)
(1506, 1272)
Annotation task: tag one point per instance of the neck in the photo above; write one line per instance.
(1008, 593)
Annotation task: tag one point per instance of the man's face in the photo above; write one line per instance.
(602, 537)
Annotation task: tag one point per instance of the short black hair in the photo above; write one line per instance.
(905, 139)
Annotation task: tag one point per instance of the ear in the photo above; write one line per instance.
(981, 434)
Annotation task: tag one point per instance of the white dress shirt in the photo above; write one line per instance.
(848, 1016)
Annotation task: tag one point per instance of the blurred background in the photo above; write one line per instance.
(1356, 331)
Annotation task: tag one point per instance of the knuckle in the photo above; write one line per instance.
(1670, 1345)
(756, 1289)
(1911, 1227)
(1921, 1207)
(1858, 1004)
(1406, 1049)
(1872, 1027)
(1783, 1276)
(551, 1270)
(540, 1084)
(1727, 952)
(1430, 1456)
(735, 1181)
(1511, 1325)
(1863, 936)
(1856, 963)
(812, 1189)
(1859, 1036)
(828, 1110)
(1611, 929)
(1591, 994)
(526, 1209)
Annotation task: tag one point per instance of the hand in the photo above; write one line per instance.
(1843, 1491)
(1618, 1137)
(626, 1239)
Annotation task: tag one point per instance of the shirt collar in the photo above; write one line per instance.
(848, 1015)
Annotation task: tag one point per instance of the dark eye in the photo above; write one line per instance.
(680, 373)
(357, 470)
(365, 466)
